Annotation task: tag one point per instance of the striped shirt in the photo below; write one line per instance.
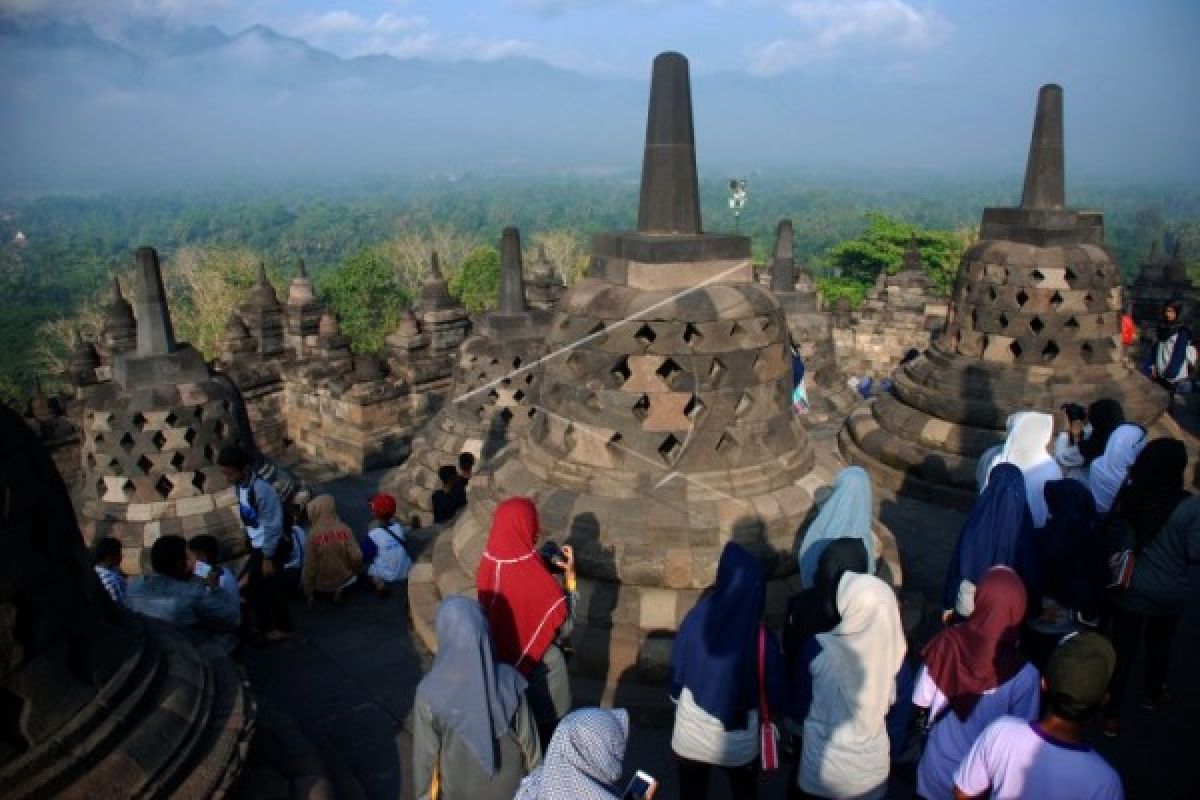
(114, 583)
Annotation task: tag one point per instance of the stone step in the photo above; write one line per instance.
(225, 741)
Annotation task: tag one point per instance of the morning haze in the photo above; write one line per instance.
(105, 95)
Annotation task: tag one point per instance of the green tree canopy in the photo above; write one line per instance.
(366, 296)
(881, 247)
(477, 282)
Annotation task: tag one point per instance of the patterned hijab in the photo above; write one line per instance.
(467, 691)
(845, 513)
(583, 761)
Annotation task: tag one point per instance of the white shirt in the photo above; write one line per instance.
(699, 736)
(391, 560)
(951, 737)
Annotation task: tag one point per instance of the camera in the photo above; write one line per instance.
(551, 554)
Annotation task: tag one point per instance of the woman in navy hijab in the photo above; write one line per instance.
(714, 678)
(998, 532)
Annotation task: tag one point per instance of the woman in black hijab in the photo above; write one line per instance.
(1104, 416)
(815, 610)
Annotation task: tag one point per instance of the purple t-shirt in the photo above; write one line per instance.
(1016, 760)
(951, 737)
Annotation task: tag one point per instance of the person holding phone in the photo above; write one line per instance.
(715, 668)
(474, 737)
(528, 611)
(584, 759)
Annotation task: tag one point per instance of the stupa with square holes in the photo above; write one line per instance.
(492, 400)
(664, 429)
(150, 436)
(1034, 322)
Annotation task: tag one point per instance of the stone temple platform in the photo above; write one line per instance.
(1034, 323)
(663, 431)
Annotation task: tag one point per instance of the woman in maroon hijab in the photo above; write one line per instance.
(973, 674)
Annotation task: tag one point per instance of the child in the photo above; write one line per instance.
(204, 550)
(108, 568)
(294, 568)
(451, 497)
(466, 465)
(384, 549)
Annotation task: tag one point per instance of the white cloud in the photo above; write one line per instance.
(553, 8)
(832, 28)
(351, 34)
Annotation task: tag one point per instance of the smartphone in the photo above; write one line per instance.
(551, 553)
(641, 787)
(201, 570)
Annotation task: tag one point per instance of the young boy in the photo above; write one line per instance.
(451, 497)
(205, 549)
(384, 549)
(108, 568)
(1014, 758)
(466, 465)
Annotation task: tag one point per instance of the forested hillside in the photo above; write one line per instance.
(371, 240)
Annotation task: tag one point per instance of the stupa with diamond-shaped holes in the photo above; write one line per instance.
(1034, 322)
(493, 395)
(663, 430)
(151, 436)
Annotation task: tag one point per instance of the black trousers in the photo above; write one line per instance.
(1129, 631)
(694, 777)
(268, 596)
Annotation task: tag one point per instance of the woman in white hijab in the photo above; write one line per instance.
(1027, 447)
(845, 745)
(1107, 474)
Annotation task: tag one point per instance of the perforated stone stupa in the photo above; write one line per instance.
(97, 702)
(664, 427)
(150, 436)
(489, 404)
(1034, 322)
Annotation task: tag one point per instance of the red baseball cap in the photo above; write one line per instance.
(383, 505)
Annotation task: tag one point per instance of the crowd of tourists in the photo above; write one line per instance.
(1073, 558)
(1072, 562)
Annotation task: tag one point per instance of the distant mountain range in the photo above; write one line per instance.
(166, 105)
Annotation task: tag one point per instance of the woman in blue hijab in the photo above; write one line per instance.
(846, 513)
(998, 532)
(714, 678)
(1071, 549)
(474, 737)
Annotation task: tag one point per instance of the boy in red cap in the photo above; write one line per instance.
(384, 549)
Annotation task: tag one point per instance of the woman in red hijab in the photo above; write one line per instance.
(527, 609)
(973, 674)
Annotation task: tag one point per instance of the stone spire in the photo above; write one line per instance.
(120, 328)
(83, 361)
(670, 197)
(300, 291)
(264, 293)
(1044, 176)
(783, 274)
(155, 334)
(512, 279)
(435, 294)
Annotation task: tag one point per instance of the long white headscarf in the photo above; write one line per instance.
(1027, 447)
(862, 654)
(1107, 473)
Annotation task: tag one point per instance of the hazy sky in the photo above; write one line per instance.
(942, 85)
(970, 41)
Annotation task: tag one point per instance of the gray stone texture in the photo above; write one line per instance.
(670, 198)
(98, 702)
(512, 278)
(1045, 182)
(155, 334)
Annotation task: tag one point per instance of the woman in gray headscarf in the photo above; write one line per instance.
(473, 735)
(583, 761)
